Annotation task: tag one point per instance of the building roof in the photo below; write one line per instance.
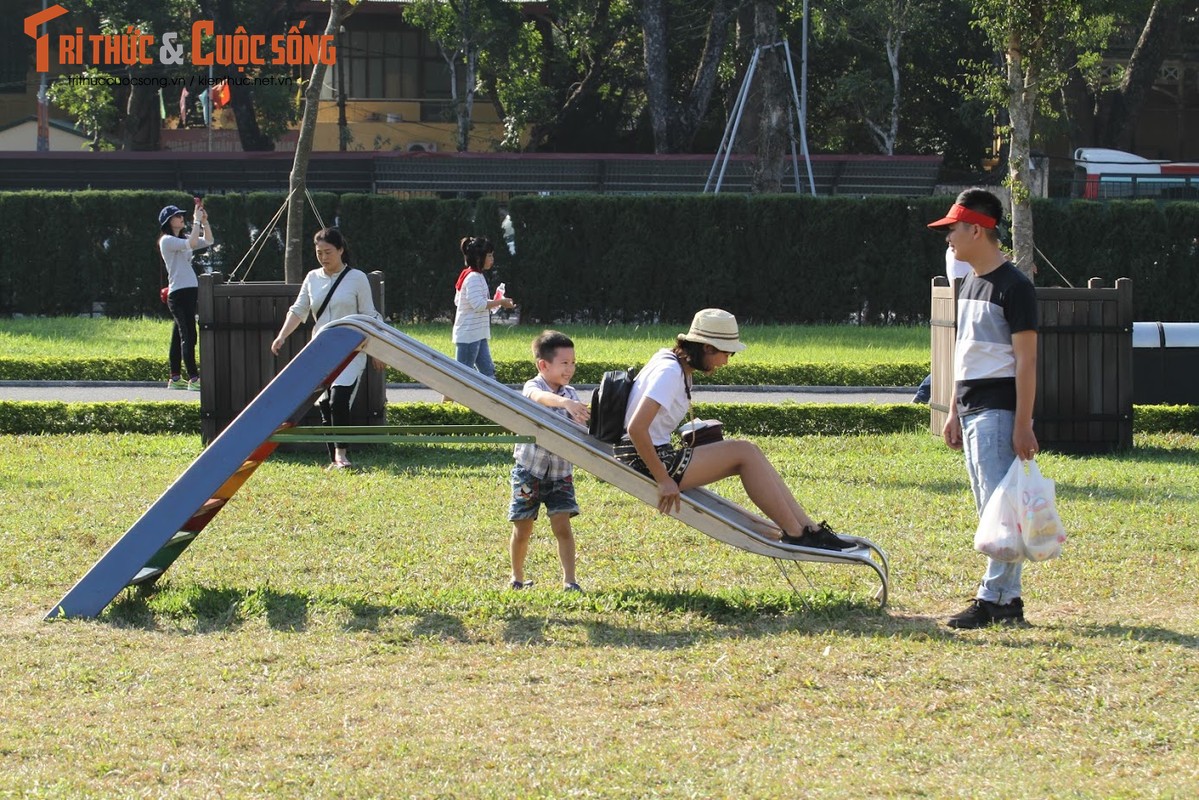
(60, 124)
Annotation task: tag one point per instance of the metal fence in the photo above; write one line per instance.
(450, 174)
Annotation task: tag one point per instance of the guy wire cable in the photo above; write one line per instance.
(312, 203)
(1050, 263)
(260, 242)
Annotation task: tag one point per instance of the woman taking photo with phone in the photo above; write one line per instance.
(176, 249)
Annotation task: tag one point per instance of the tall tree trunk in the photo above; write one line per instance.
(251, 136)
(468, 103)
(1121, 108)
(1022, 103)
(772, 131)
(225, 20)
(293, 255)
(657, 73)
(674, 123)
(894, 45)
(143, 122)
(744, 43)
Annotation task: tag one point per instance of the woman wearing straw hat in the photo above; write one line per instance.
(661, 399)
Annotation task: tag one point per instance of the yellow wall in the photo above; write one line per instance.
(24, 137)
(396, 124)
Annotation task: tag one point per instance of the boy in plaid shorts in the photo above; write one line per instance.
(539, 476)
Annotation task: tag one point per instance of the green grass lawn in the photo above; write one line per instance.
(347, 635)
(72, 337)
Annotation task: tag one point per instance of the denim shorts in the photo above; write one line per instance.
(529, 492)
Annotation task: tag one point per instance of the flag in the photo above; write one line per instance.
(220, 94)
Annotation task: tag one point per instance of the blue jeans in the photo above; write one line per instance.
(477, 355)
(987, 445)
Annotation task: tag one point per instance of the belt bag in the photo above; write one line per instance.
(699, 432)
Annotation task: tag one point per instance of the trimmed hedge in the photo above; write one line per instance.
(746, 419)
(769, 259)
(1165, 419)
(37, 417)
(109, 251)
(514, 372)
(82, 369)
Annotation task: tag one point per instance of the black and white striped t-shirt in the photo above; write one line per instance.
(991, 308)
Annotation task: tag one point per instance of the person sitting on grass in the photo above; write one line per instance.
(661, 398)
(539, 476)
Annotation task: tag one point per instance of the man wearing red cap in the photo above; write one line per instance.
(995, 381)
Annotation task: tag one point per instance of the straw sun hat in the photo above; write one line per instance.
(716, 327)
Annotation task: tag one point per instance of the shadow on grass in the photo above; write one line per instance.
(660, 619)
(632, 618)
(1140, 633)
(407, 461)
(1154, 455)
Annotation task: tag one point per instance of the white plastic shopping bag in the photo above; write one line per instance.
(1040, 525)
(998, 533)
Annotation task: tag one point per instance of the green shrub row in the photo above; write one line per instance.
(109, 252)
(770, 259)
(82, 369)
(24, 417)
(745, 419)
(512, 372)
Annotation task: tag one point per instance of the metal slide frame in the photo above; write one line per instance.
(173, 521)
(702, 509)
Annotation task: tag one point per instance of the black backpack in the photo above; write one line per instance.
(608, 404)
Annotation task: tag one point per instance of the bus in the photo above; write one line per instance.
(1103, 174)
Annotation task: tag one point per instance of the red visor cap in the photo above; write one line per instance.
(962, 214)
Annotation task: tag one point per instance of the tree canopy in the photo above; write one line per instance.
(883, 76)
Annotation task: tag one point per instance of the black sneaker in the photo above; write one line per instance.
(572, 587)
(981, 613)
(1011, 613)
(821, 537)
(515, 584)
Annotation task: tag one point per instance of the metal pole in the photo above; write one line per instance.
(803, 128)
(211, 108)
(803, 69)
(730, 128)
(740, 109)
(43, 106)
(342, 129)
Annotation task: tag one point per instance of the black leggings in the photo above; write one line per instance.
(182, 305)
(335, 408)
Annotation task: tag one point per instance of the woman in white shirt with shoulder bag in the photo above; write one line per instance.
(333, 291)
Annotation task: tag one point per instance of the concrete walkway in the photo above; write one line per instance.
(111, 391)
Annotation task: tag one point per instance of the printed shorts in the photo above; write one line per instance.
(529, 492)
(675, 459)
